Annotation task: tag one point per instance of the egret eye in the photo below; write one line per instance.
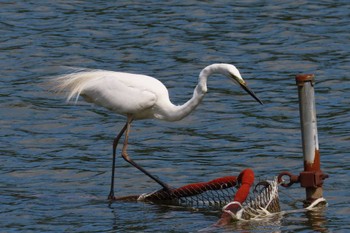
(235, 79)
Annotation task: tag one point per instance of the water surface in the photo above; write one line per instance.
(56, 157)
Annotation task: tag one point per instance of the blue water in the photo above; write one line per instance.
(56, 156)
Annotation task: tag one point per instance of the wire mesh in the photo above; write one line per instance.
(222, 194)
(212, 195)
(262, 202)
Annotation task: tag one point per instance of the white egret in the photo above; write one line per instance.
(139, 97)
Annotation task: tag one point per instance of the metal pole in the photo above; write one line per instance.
(312, 175)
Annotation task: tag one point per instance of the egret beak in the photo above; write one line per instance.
(250, 92)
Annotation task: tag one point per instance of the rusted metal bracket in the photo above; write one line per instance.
(307, 179)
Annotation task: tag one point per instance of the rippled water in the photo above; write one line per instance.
(56, 157)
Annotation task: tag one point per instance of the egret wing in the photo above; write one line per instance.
(118, 94)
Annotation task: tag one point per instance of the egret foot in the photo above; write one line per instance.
(111, 196)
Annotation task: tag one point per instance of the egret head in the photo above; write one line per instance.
(233, 74)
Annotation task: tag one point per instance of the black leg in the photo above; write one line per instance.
(129, 160)
(115, 144)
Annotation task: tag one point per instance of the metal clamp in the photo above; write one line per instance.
(292, 179)
(307, 179)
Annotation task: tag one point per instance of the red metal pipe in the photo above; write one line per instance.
(198, 188)
(246, 179)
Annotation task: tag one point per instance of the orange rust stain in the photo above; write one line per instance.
(316, 165)
(304, 77)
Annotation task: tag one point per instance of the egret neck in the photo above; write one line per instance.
(175, 113)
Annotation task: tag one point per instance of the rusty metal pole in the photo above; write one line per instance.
(312, 177)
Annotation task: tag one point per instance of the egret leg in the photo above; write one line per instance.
(129, 160)
(115, 144)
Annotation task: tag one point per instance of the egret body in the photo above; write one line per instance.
(139, 97)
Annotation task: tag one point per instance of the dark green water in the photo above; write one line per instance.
(55, 157)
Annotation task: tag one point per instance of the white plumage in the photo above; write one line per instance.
(139, 97)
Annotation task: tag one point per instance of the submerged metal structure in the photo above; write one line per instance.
(234, 196)
(312, 177)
